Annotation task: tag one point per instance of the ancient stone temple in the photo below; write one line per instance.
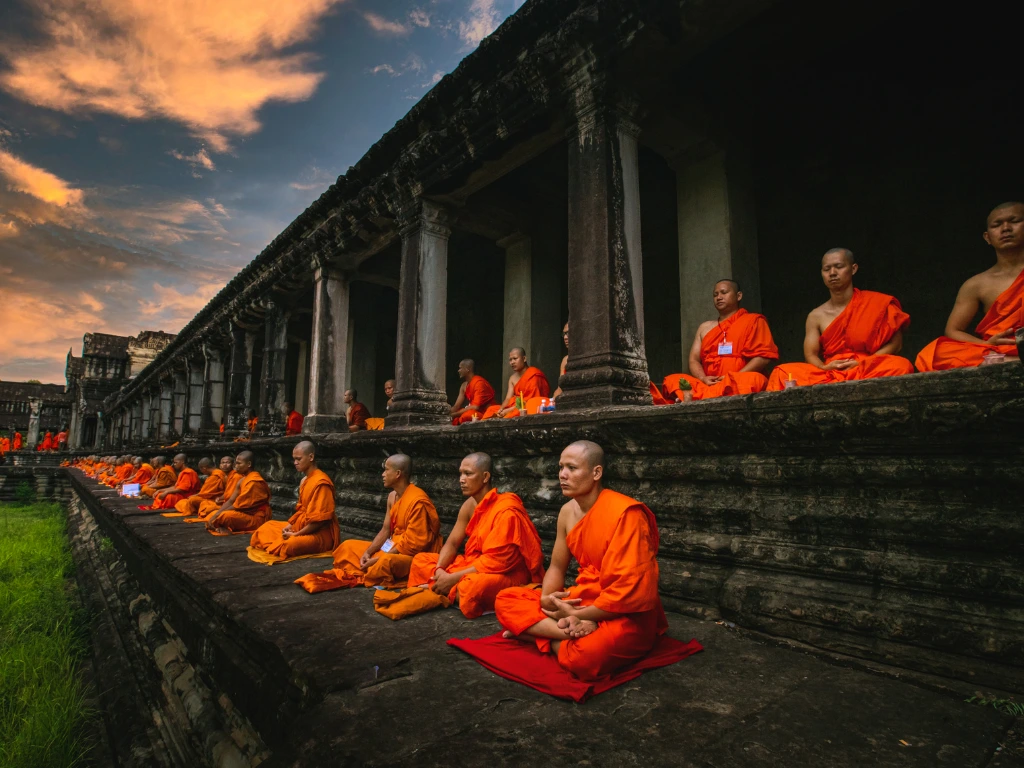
(604, 163)
(21, 401)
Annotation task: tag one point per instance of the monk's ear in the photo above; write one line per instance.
(987, 238)
(598, 473)
(487, 478)
(853, 268)
(739, 296)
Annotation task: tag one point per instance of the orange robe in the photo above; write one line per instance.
(121, 474)
(867, 324)
(47, 444)
(207, 508)
(357, 415)
(501, 543)
(479, 393)
(750, 337)
(294, 425)
(213, 486)
(188, 481)
(316, 503)
(415, 528)
(1005, 316)
(165, 478)
(143, 476)
(60, 440)
(17, 441)
(616, 546)
(533, 383)
(251, 508)
(5, 445)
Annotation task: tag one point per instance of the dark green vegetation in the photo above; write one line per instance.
(42, 702)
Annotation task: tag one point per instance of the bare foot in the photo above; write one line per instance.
(575, 627)
(522, 638)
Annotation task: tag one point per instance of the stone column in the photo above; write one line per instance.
(422, 330)
(240, 376)
(328, 366)
(35, 408)
(74, 429)
(607, 362)
(213, 396)
(275, 357)
(101, 430)
(194, 367)
(166, 407)
(717, 229)
(147, 416)
(155, 412)
(518, 331)
(135, 422)
(179, 395)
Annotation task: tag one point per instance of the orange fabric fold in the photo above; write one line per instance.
(315, 504)
(867, 324)
(532, 383)
(479, 393)
(207, 507)
(357, 415)
(501, 543)
(188, 482)
(294, 424)
(251, 508)
(616, 546)
(165, 478)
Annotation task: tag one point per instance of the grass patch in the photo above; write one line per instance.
(1006, 706)
(42, 697)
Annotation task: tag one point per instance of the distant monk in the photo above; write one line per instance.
(389, 390)
(410, 526)
(613, 615)
(293, 426)
(313, 529)
(476, 395)
(144, 472)
(165, 477)
(525, 381)
(213, 486)
(47, 443)
(251, 422)
(61, 441)
(729, 355)
(565, 361)
(186, 484)
(121, 473)
(854, 335)
(231, 478)
(998, 292)
(5, 445)
(502, 545)
(16, 444)
(248, 507)
(357, 412)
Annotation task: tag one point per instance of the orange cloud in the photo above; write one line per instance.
(386, 26)
(42, 185)
(210, 66)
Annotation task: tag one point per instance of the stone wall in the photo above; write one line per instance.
(879, 519)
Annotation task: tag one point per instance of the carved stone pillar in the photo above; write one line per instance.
(179, 395)
(275, 355)
(239, 376)
(166, 407)
(420, 396)
(147, 416)
(35, 408)
(607, 363)
(101, 431)
(328, 373)
(213, 394)
(194, 369)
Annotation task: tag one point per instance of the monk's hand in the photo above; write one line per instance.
(1003, 339)
(561, 608)
(287, 531)
(444, 584)
(364, 561)
(550, 601)
(709, 380)
(840, 365)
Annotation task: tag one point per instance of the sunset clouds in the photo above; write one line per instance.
(42, 185)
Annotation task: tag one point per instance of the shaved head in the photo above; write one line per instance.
(1003, 207)
(733, 283)
(401, 463)
(520, 350)
(481, 461)
(181, 456)
(846, 253)
(247, 456)
(308, 448)
(467, 363)
(205, 462)
(592, 452)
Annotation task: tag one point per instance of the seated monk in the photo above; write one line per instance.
(248, 506)
(294, 419)
(207, 507)
(143, 473)
(410, 526)
(5, 445)
(313, 529)
(16, 443)
(121, 473)
(165, 476)
(729, 355)
(186, 484)
(613, 616)
(356, 412)
(998, 292)
(389, 391)
(854, 335)
(46, 444)
(476, 395)
(525, 381)
(565, 361)
(502, 545)
(213, 486)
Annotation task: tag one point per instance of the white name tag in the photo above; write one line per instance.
(725, 348)
(387, 546)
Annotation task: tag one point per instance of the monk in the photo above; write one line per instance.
(165, 476)
(854, 335)
(294, 419)
(5, 445)
(525, 381)
(357, 412)
(998, 292)
(476, 395)
(502, 545)
(17, 442)
(231, 478)
(61, 441)
(186, 484)
(313, 529)
(47, 443)
(389, 390)
(613, 616)
(565, 361)
(124, 470)
(410, 526)
(143, 473)
(248, 507)
(213, 486)
(730, 355)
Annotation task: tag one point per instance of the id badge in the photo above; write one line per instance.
(725, 348)
(387, 546)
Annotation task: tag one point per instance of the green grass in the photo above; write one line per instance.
(42, 702)
(1006, 706)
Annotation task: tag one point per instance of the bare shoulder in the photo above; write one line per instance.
(818, 315)
(467, 509)
(704, 327)
(391, 499)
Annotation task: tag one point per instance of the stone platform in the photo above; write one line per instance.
(328, 682)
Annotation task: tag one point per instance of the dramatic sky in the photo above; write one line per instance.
(149, 149)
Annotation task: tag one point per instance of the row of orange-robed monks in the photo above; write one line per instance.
(610, 618)
(50, 441)
(854, 335)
